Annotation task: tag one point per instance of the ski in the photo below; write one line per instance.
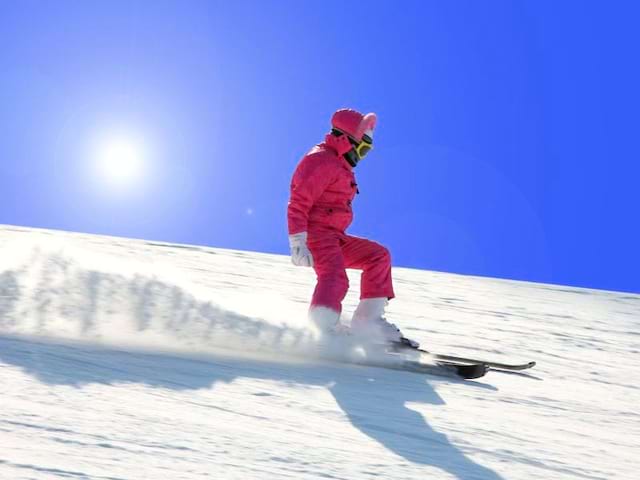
(402, 345)
(448, 369)
(441, 367)
(384, 355)
(464, 371)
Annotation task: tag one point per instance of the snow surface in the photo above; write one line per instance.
(126, 359)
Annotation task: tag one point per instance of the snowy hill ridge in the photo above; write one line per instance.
(111, 365)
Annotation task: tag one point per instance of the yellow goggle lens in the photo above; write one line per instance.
(363, 148)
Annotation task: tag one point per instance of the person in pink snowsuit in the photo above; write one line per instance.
(323, 188)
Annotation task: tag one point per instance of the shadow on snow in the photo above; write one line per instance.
(373, 399)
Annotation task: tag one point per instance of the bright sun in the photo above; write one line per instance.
(120, 160)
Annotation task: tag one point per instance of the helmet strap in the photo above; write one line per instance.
(352, 157)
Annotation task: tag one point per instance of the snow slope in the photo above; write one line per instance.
(126, 359)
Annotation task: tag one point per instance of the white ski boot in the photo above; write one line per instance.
(369, 323)
(327, 321)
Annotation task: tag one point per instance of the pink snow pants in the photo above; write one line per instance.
(333, 251)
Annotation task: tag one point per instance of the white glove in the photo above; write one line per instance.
(300, 254)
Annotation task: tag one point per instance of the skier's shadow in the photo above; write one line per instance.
(377, 409)
(374, 400)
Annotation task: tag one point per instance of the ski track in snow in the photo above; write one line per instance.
(126, 359)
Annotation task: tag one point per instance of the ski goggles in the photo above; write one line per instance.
(363, 147)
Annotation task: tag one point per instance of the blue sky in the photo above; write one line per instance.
(507, 140)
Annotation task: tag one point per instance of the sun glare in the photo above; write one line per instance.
(120, 161)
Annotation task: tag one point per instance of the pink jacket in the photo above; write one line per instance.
(322, 188)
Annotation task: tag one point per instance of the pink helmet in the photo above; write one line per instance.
(353, 123)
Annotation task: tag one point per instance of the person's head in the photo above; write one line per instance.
(359, 130)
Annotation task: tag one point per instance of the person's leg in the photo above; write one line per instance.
(332, 282)
(375, 262)
(376, 288)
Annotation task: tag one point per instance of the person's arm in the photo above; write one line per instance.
(310, 180)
